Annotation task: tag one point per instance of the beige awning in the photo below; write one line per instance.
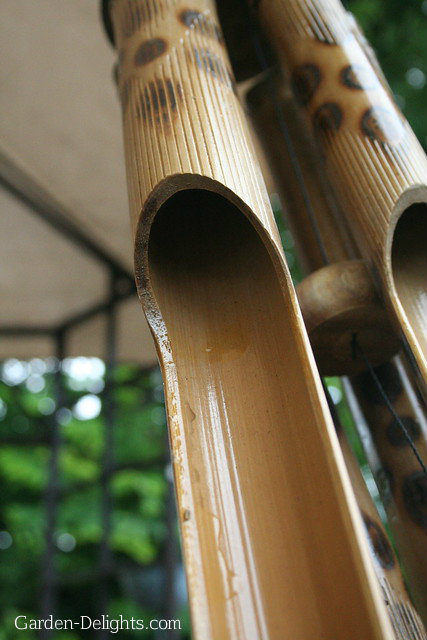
(60, 134)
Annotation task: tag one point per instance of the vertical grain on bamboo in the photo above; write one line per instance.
(343, 295)
(247, 416)
(375, 163)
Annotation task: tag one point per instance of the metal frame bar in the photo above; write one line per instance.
(41, 203)
(105, 558)
(20, 185)
(48, 578)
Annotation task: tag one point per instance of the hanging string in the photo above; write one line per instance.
(357, 349)
(287, 139)
(313, 220)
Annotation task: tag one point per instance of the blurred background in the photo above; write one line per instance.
(87, 514)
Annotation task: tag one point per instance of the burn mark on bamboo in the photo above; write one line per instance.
(414, 492)
(190, 18)
(159, 100)
(305, 82)
(213, 65)
(396, 436)
(150, 50)
(207, 61)
(197, 20)
(379, 543)
(358, 76)
(328, 118)
(379, 123)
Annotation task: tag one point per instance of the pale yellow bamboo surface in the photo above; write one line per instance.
(344, 295)
(272, 539)
(375, 162)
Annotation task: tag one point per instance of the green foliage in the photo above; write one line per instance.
(396, 30)
(139, 485)
(138, 488)
(85, 438)
(26, 468)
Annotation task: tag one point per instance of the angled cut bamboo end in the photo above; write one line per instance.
(406, 269)
(214, 292)
(375, 162)
(255, 454)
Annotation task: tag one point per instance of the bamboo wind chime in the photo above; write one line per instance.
(377, 166)
(337, 300)
(341, 300)
(274, 544)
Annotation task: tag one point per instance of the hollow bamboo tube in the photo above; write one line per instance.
(272, 107)
(268, 102)
(272, 540)
(339, 296)
(406, 484)
(404, 618)
(375, 163)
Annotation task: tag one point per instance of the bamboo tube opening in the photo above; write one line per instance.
(260, 505)
(409, 268)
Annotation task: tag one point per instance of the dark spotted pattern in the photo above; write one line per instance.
(197, 20)
(150, 50)
(159, 100)
(305, 81)
(382, 124)
(414, 492)
(212, 64)
(358, 76)
(328, 118)
(396, 436)
(379, 543)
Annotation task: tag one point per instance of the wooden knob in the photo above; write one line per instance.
(337, 302)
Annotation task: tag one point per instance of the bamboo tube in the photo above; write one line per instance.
(272, 106)
(404, 618)
(272, 540)
(375, 163)
(406, 502)
(359, 295)
(339, 299)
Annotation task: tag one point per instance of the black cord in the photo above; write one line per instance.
(356, 348)
(284, 129)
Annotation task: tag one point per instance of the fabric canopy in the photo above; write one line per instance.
(60, 136)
